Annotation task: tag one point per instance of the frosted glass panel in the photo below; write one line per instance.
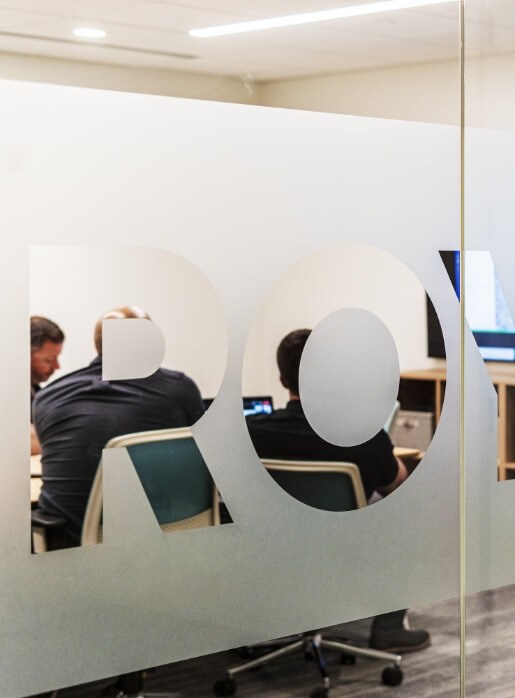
(184, 307)
(489, 456)
(210, 199)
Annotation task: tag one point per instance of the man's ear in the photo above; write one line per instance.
(283, 383)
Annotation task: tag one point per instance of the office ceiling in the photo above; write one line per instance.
(154, 33)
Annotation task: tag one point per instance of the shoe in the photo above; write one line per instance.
(399, 640)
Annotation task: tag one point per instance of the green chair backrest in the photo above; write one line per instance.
(327, 486)
(174, 476)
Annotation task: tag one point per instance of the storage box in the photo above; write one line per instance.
(413, 429)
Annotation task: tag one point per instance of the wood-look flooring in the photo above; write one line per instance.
(430, 673)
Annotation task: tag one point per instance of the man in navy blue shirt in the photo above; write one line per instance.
(46, 343)
(286, 434)
(77, 414)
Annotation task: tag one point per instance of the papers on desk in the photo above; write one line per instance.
(35, 466)
(35, 488)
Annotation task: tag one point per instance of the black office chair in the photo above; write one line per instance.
(333, 487)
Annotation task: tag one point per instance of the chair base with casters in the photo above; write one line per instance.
(312, 644)
(182, 495)
(330, 486)
(180, 491)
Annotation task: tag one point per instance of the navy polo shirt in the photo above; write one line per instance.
(77, 414)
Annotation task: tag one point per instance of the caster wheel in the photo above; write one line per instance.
(392, 676)
(346, 658)
(319, 692)
(225, 687)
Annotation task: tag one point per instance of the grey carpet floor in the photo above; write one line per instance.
(430, 673)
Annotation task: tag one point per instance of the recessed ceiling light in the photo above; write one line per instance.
(318, 16)
(89, 33)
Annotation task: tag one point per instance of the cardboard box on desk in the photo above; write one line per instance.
(413, 429)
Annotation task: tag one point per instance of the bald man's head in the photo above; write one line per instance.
(127, 311)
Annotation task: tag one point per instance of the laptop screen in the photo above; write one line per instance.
(263, 404)
(257, 405)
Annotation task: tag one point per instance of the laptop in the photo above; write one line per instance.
(261, 404)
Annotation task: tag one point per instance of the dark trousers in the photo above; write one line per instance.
(389, 621)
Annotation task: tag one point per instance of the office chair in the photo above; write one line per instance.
(333, 487)
(181, 493)
(182, 497)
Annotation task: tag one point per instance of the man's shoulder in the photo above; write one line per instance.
(171, 376)
(74, 379)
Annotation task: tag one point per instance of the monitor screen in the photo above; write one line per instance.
(486, 309)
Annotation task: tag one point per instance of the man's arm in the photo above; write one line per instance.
(402, 474)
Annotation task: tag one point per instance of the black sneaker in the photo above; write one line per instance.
(399, 640)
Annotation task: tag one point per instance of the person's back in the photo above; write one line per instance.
(287, 435)
(75, 417)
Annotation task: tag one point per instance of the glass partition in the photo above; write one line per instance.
(489, 298)
(233, 225)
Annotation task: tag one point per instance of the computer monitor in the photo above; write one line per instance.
(486, 309)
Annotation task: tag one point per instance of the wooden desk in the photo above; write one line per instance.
(35, 466)
(404, 452)
(35, 488)
(35, 478)
(425, 390)
(411, 457)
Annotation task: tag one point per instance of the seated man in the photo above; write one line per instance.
(287, 434)
(77, 414)
(46, 343)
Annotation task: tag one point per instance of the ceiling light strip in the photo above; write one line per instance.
(309, 17)
(89, 33)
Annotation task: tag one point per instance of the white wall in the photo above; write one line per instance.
(425, 92)
(324, 282)
(428, 92)
(74, 285)
(125, 78)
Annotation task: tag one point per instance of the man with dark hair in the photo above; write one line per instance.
(46, 343)
(287, 434)
(77, 414)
